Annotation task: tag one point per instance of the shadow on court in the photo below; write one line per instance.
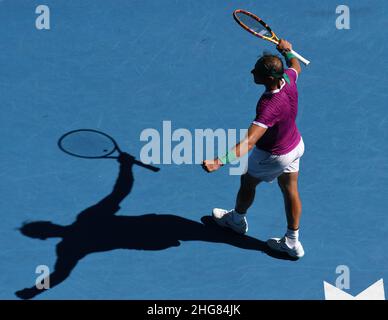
(98, 229)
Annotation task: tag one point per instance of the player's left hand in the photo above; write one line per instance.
(284, 46)
(211, 165)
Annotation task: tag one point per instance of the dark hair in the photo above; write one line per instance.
(270, 65)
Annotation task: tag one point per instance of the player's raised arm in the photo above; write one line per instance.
(285, 48)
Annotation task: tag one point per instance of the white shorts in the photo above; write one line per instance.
(267, 167)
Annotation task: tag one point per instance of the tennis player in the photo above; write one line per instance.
(277, 148)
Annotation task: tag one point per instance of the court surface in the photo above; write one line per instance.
(124, 66)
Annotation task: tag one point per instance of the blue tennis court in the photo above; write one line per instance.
(124, 232)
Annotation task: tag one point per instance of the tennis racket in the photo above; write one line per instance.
(93, 144)
(259, 28)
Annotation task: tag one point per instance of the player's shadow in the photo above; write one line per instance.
(98, 229)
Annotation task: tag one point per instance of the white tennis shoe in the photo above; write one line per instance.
(281, 245)
(225, 218)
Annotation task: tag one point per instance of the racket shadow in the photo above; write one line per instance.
(99, 229)
(94, 144)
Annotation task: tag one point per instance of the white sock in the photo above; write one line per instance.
(237, 217)
(292, 237)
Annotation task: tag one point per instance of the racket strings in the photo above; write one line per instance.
(253, 24)
(88, 144)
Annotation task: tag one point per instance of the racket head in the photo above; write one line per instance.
(254, 25)
(88, 143)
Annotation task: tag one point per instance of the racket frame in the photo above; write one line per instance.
(274, 38)
(106, 156)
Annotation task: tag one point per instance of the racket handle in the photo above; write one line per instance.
(147, 166)
(299, 57)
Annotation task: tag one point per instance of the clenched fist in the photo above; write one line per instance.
(211, 165)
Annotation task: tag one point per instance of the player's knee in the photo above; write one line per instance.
(288, 183)
(288, 188)
(284, 184)
(281, 185)
(291, 192)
